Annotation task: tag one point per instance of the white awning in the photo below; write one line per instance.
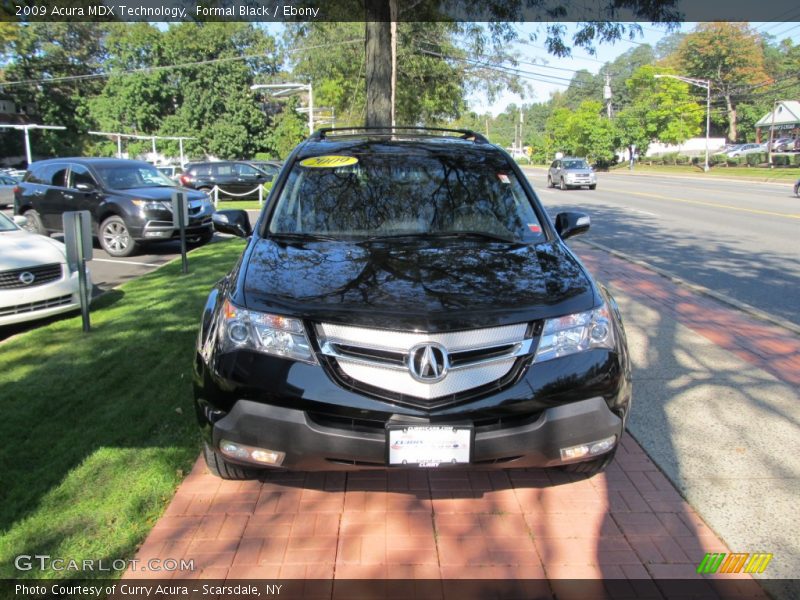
(787, 112)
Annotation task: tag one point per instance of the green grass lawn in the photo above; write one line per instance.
(242, 204)
(757, 173)
(99, 428)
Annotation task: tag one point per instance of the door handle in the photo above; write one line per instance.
(69, 196)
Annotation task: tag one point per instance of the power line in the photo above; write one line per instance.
(163, 67)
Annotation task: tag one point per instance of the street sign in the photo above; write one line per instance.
(180, 217)
(78, 240)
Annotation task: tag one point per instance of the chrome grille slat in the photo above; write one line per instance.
(378, 357)
(33, 306)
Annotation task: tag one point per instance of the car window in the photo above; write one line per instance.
(554, 165)
(223, 170)
(121, 176)
(246, 170)
(51, 174)
(575, 164)
(378, 195)
(80, 174)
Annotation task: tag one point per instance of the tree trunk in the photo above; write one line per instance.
(731, 119)
(379, 63)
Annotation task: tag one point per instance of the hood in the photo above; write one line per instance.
(162, 193)
(434, 286)
(20, 249)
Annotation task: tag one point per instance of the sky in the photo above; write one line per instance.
(535, 52)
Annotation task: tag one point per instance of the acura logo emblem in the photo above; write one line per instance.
(26, 278)
(428, 362)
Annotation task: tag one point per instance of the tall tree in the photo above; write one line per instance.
(660, 110)
(730, 56)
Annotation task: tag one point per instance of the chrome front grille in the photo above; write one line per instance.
(34, 306)
(38, 275)
(386, 359)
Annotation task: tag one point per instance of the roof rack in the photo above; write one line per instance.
(464, 134)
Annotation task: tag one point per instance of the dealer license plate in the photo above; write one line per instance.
(429, 445)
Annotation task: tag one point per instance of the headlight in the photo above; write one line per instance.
(575, 333)
(262, 332)
(151, 205)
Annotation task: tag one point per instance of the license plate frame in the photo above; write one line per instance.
(429, 446)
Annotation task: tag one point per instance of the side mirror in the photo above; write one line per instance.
(569, 224)
(85, 187)
(233, 222)
(20, 220)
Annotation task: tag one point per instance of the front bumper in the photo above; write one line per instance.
(308, 445)
(19, 305)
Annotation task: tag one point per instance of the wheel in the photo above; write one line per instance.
(115, 238)
(591, 467)
(593, 187)
(550, 183)
(563, 185)
(797, 189)
(223, 469)
(34, 224)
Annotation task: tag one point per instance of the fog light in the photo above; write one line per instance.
(590, 449)
(603, 445)
(251, 453)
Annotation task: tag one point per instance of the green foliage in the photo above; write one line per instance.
(288, 129)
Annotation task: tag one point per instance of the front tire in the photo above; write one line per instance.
(591, 467)
(563, 185)
(115, 238)
(225, 470)
(593, 187)
(550, 183)
(34, 224)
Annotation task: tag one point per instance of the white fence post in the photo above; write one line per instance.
(260, 195)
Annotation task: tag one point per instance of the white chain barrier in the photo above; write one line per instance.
(216, 190)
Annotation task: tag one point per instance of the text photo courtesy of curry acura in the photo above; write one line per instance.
(405, 301)
(130, 202)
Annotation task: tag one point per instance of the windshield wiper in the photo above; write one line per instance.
(303, 237)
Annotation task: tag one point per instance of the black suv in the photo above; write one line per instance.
(130, 201)
(234, 178)
(405, 300)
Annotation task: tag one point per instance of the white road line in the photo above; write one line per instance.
(643, 212)
(127, 262)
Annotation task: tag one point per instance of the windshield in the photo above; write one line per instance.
(7, 224)
(383, 195)
(575, 164)
(125, 177)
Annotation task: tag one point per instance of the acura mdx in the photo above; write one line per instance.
(404, 301)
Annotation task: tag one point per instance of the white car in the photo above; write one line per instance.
(35, 280)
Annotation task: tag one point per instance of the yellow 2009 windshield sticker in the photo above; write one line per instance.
(328, 162)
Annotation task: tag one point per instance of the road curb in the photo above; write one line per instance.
(738, 305)
(698, 177)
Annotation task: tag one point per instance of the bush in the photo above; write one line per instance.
(796, 159)
(754, 159)
(682, 160)
(717, 159)
(780, 160)
(735, 161)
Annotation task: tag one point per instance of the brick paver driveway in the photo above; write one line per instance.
(628, 524)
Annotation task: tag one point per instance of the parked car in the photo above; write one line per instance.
(7, 185)
(785, 144)
(406, 301)
(742, 149)
(35, 279)
(170, 171)
(571, 172)
(270, 167)
(233, 178)
(130, 201)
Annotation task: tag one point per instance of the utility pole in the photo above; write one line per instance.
(607, 94)
(771, 131)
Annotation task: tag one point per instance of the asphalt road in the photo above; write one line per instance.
(740, 239)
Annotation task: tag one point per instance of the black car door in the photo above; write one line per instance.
(51, 202)
(224, 176)
(249, 178)
(83, 192)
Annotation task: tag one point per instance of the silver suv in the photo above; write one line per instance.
(571, 172)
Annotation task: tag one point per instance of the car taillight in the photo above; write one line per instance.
(184, 179)
(16, 189)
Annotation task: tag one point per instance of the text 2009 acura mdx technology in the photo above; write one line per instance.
(405, 300)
